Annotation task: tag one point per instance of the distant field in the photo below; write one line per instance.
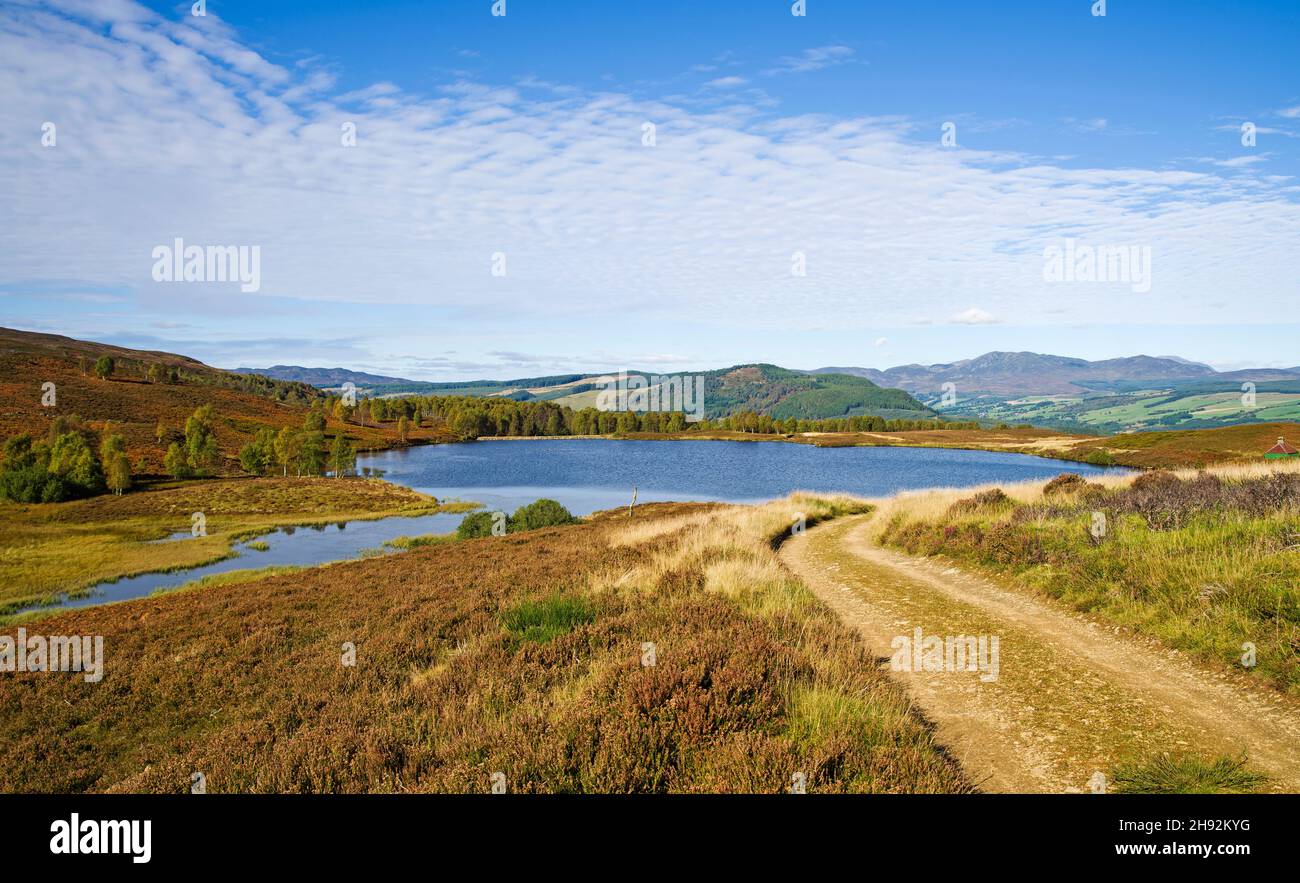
(1190, 408)
(1186, 448)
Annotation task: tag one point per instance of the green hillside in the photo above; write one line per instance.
(764, 389)
(782, 393)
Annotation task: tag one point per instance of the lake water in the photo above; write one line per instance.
(587, 475)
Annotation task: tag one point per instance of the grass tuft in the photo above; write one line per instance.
(541, 621)
(1185, 774)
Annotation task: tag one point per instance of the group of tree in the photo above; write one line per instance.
(299, 451)
(469, 417)
(198, 453)
(72, 461)
(287, 391)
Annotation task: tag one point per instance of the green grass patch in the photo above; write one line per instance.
(538, 622)
(817, 715)
(406, 544)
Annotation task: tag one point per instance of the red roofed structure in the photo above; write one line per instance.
(1280, 450)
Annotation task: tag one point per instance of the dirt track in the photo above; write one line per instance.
(1071, 697)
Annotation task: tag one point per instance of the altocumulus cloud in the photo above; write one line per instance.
(175, 127)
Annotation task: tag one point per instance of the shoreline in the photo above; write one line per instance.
(1160, 449)
(1013, 445)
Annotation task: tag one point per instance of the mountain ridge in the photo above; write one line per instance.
(1002, 373)
(1028, 373)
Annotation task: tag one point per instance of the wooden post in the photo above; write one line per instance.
(633, 504)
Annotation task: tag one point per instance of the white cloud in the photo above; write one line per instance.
(974, 316)
(1096, 124)
(726, 82)
(172, 127)
(1235, 128)
(1238, 162)
(812, 60)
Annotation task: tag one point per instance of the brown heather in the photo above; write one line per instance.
(135, 406)
(754, 680)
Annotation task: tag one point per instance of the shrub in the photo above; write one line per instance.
(37, 473)
(474, 525)
(539, 514)
(73, 460)
(32, 484)
(1065, 483)
(1153, 481)
(992, 499)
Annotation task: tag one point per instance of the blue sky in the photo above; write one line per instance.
(779, 141)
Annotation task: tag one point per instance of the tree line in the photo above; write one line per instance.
(470, 417)
(288, 391)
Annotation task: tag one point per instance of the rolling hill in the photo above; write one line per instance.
(135, 404)
(1139, 393)
(764, 389)
(1025, 373)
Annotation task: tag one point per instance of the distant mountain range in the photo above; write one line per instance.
(765, 389)
(1114, 395)
(323, 377)
(1110, 395)
(1025, 373)
(996, 373)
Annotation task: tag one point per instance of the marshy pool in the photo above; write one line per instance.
(285, 547)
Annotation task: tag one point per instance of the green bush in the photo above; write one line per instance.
(37, 473)
(474, 525)
(536, 515)
(539, 514)
(1100, 457)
